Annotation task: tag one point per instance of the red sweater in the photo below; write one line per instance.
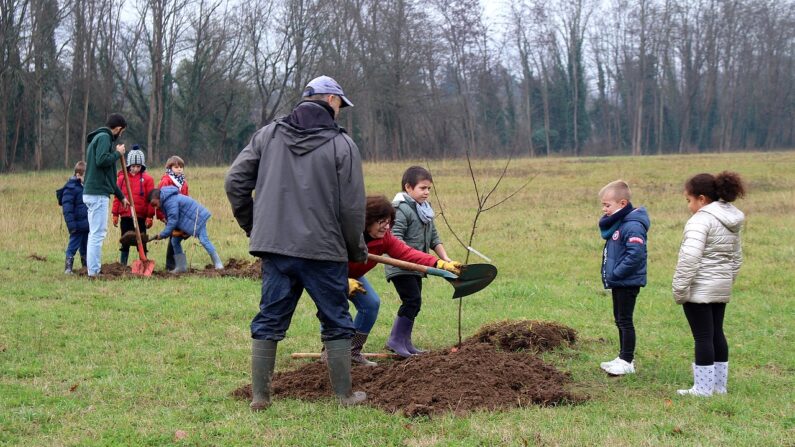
(165, 180)
(140, 183)
(396, 249)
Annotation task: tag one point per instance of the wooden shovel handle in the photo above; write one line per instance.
(141, 253)
(405, 265)
(316, 355)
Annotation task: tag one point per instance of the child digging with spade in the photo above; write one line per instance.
(174, 176)
(379, 217)
(414, 226)
(623, 228)
(141, 184)
(187, 215)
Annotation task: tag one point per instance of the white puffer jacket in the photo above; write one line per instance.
(710, 255)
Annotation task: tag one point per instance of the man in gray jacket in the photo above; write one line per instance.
(306, 221)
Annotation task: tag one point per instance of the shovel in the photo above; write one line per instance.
(141, 266)
(474, 277)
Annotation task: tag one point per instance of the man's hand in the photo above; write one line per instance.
(115, 220)
(121, 149)
(148, 222)
(450, 266)
(355, 287)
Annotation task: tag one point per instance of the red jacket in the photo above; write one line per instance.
(396, 249)
(140, 183)
(166, 181)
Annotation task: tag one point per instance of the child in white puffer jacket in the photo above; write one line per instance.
(709, 260)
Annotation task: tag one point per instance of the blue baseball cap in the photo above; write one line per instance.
(325, 85)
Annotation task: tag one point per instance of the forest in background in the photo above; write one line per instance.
(429, 79)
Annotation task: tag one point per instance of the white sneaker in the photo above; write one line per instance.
(620, 368)
(605, 365)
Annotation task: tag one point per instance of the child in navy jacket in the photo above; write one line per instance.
(75, 213)
(623, 228)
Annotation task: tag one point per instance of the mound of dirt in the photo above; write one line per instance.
(524, 335)
(478, 376)
(234, 267)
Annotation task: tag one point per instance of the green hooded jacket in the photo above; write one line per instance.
(409, 228)
(101, 157)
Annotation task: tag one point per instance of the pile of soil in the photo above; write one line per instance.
(525, 335)
(233, 267)
(477, 376)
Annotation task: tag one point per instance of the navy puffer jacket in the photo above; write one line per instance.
(182, 212)
(624, 255)
(75, 212)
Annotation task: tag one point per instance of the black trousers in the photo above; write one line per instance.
(126, 224)
(624, 299)
(409, 289)
(706, 324)
(170, 264)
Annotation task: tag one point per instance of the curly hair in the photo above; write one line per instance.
(726, 186)
(377, 208)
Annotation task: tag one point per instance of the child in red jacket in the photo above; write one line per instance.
(140, 183)
(174, 176)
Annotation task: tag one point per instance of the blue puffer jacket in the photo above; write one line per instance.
(624, 255)
(181, 212)
(75, 212)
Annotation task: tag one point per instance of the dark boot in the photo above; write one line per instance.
(409, 344)
(83, 261)
(263, 360)
(125, 255)
(399, 337)
(67, 269)
(170, 264)
(357, 343)
(339, 371)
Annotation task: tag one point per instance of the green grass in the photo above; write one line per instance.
(131, 362)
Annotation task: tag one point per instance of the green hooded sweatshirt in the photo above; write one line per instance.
(101, 157)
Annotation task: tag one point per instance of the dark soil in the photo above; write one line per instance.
(478, 376)
(233, 267)
(524, 335)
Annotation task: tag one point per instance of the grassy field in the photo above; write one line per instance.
(133, 362)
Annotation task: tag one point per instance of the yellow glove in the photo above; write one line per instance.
(452, 266)
(354, 287)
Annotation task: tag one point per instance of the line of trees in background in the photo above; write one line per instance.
(432, 78)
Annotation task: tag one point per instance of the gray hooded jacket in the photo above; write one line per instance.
(710, 255)
(309, 200)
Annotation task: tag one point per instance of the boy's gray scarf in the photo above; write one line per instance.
(424, 210)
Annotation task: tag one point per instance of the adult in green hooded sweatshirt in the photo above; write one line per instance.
(100, 183)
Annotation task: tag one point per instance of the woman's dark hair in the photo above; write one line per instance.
(726, 186)
(414, 175)
(155, 193)
(377, 208)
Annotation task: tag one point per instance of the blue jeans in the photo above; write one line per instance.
(366, 305)
(77, 242)
(283, 281)
(98, 228)
(204, 239)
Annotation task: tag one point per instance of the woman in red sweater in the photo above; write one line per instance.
(379, 216)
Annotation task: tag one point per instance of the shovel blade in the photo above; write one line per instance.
(473, 278)
(143, 268)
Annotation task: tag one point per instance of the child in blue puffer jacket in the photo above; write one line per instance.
(623, 228)
(187, 215)
(75, 213)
